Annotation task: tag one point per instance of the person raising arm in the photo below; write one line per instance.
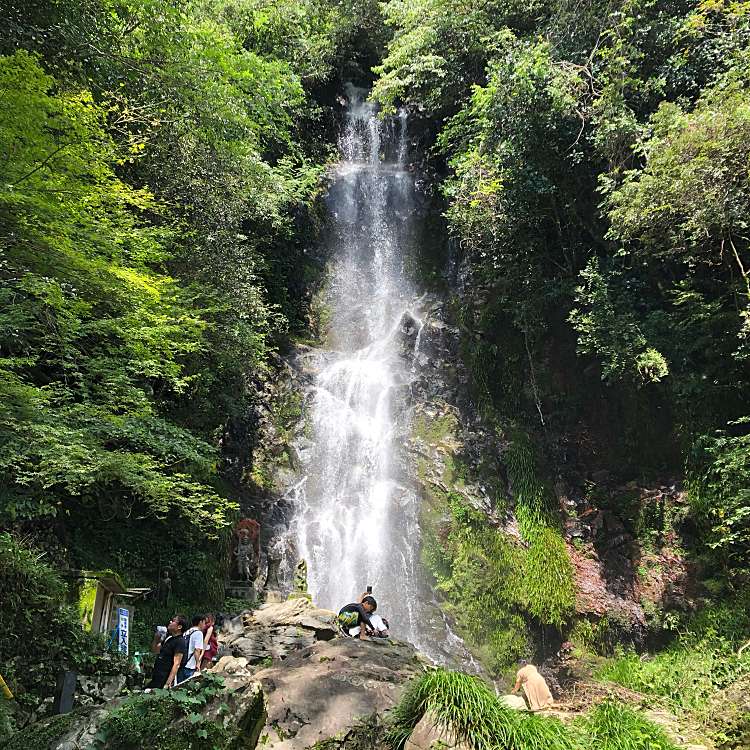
(169, 654)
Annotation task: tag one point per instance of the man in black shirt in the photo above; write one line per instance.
(169, 654)
(353, 615)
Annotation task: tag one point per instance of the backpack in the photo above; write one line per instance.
(186, 637)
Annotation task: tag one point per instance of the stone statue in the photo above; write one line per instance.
(244, 555)
(299, 591)
(164, 590)
(272, 579)
(247, 550)
(300, 577)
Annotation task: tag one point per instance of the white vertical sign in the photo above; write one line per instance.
(123, 629)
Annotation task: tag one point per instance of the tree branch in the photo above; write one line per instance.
(37, 168)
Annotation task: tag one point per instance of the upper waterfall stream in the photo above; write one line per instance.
(356, 512)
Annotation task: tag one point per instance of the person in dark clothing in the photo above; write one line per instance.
(169, 654)
(356, 615)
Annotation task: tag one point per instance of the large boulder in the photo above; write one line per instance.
(430, 735)
(323, 691)
(273, 631)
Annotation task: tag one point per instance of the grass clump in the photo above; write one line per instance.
(479, 574)
(701, 661)
(614, 726)
(468, 710)
(548, 570)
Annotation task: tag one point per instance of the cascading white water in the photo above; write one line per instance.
(356, 517)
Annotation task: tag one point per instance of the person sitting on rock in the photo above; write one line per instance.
(353, 616)
(537, 693)
(379, 624)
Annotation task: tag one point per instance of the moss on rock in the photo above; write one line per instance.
(41, 734)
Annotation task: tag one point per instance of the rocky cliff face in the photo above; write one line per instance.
(451, 454)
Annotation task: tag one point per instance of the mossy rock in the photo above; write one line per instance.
(204, 716)
(729, 715)
(367, 734)
(46, 733)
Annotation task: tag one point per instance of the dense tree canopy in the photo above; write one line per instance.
(159, 158)
(597, 185)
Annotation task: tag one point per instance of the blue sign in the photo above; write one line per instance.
(123, 629)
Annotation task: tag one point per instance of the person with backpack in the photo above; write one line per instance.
(194, 654)
(170, 653)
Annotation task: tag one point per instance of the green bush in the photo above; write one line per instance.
(720, 495)
(614, 726)
(148, 720)
(701, 661)
(468, 709)
(42, 633)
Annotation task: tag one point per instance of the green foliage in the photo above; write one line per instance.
(135, 317)
(313, 36)
(39, 735)
(614, 726)
(608, 328)
(160, 181)
(166, 720)
(701, 661)
(434, 430)
(440, 47)
(89, 329)
(548, 572)
(470, 711)
(482, 581)
(35, 612)
(720, 494)
(597, 195)
(7, 724)
(492, 586)
(234, 606)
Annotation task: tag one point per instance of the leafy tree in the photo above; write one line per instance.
(89, 329)
(596, 190)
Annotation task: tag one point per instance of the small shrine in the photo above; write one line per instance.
(246, 560)
(107, 605)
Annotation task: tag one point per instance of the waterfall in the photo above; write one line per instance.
(356, 512)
